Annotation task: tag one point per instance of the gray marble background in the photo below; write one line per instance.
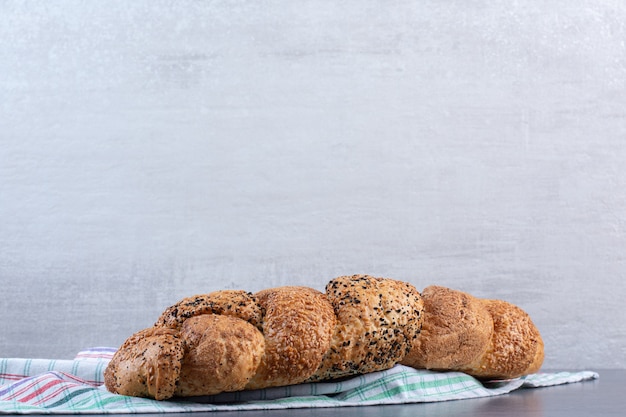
(152, 150)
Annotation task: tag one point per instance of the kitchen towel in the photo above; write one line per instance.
(42, 386)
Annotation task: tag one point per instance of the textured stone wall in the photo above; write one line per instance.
(152, 150)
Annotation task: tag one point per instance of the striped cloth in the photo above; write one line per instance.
(40, 386)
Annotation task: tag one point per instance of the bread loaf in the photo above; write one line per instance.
(231, 340)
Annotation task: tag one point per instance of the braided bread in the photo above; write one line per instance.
(232, 340)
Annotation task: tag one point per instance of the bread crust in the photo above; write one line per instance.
(222, 353)
(235, 303)
(488, 339)
(298, 325)
(515, 348)
(147, 364)
(457, 329)
(378, 321)
(232, 340)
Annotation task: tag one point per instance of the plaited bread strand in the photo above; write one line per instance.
(232, 340)
(488, 339)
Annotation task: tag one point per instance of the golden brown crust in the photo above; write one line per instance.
(231, 340)
(537, 362)
(147, 364)
(222, 354)
(488, 339)
(378, 320)
(298, 326)
(236, 303)
(515, 348)
(456, 330)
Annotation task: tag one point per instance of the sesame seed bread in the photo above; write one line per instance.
(236, 303)
(232, 340)
(377, 321)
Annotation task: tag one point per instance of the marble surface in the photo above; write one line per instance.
(154, 149)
